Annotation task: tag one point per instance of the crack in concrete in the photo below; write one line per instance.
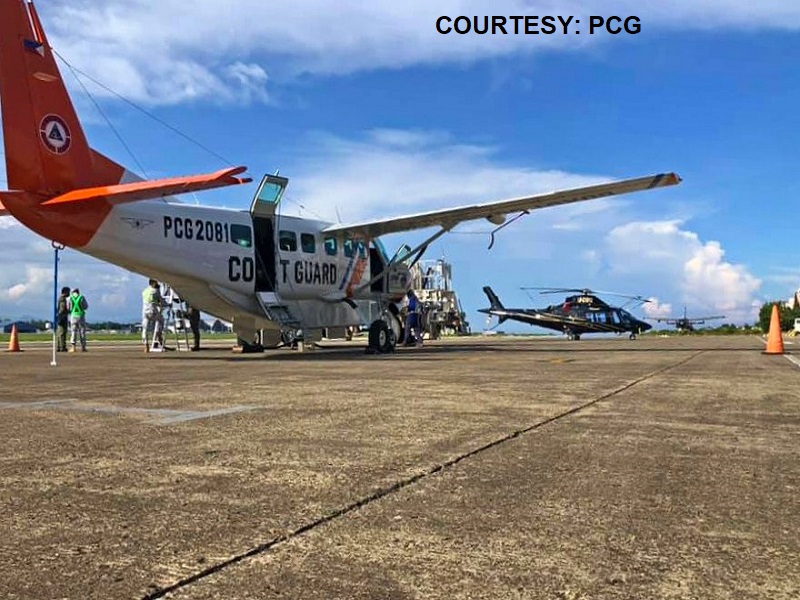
(382, 493)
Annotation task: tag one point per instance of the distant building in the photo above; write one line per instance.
(794, 301)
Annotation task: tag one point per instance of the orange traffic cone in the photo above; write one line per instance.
(774, 339)
(13, 342)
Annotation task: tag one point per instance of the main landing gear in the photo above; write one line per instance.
(573, 336)
(632, 336)
(381, 338)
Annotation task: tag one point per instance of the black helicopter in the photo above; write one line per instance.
(685, 323)
(580, 313)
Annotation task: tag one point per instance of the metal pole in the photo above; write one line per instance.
(56, 248)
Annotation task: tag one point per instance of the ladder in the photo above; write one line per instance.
(176, 320)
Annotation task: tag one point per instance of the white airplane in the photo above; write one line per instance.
(261, 271)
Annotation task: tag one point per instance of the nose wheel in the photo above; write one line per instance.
(632, 336)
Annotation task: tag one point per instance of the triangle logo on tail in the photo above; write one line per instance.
(55, 134)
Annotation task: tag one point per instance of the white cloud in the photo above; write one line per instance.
(26, 279)
(656, 309)
(395, 171)
(141, 50)
(677, 259)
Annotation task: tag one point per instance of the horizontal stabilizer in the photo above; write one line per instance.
(12, 198)
(148, 190)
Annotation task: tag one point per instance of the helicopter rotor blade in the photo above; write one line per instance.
(549, 290)
(585, 291)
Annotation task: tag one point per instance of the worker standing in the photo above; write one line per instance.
(152, 303)
(194, 324)
(413, 321)
(77, 306)
(62, 319)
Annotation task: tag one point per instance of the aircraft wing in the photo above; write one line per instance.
(675, 320)
(148, 190)
(496, 211)
(698, 319)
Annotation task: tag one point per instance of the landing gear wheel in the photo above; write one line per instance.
(570, 336)
(381, 338)
(577, 337)
(632, 336)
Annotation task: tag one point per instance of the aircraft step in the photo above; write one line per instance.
(280, 314)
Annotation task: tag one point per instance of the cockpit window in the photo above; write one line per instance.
(330, 246)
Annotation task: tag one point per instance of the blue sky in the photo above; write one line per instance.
(370, 112)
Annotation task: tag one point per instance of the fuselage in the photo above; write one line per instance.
(231, 264)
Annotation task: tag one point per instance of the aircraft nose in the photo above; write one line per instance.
(645, 326)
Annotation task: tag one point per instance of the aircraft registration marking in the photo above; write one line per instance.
(200, 230)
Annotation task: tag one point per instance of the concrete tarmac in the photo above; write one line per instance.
(468, 468)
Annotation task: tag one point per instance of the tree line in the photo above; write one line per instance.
(787, 315)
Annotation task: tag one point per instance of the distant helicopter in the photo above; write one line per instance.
(580, 313)
(687, 323)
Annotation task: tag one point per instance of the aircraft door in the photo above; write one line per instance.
(376, 267)
(264, 233)
(262, 212)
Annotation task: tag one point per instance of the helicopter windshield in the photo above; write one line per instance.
(625, 317)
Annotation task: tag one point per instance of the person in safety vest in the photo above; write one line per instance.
(152, 303)
(77, 306)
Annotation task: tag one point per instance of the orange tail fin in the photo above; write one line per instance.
(46, 148)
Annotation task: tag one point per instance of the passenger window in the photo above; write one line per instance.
(308, 243)
(348, 248)
(241, 235)
(330, 246)
(362, 250)
(287, 241)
